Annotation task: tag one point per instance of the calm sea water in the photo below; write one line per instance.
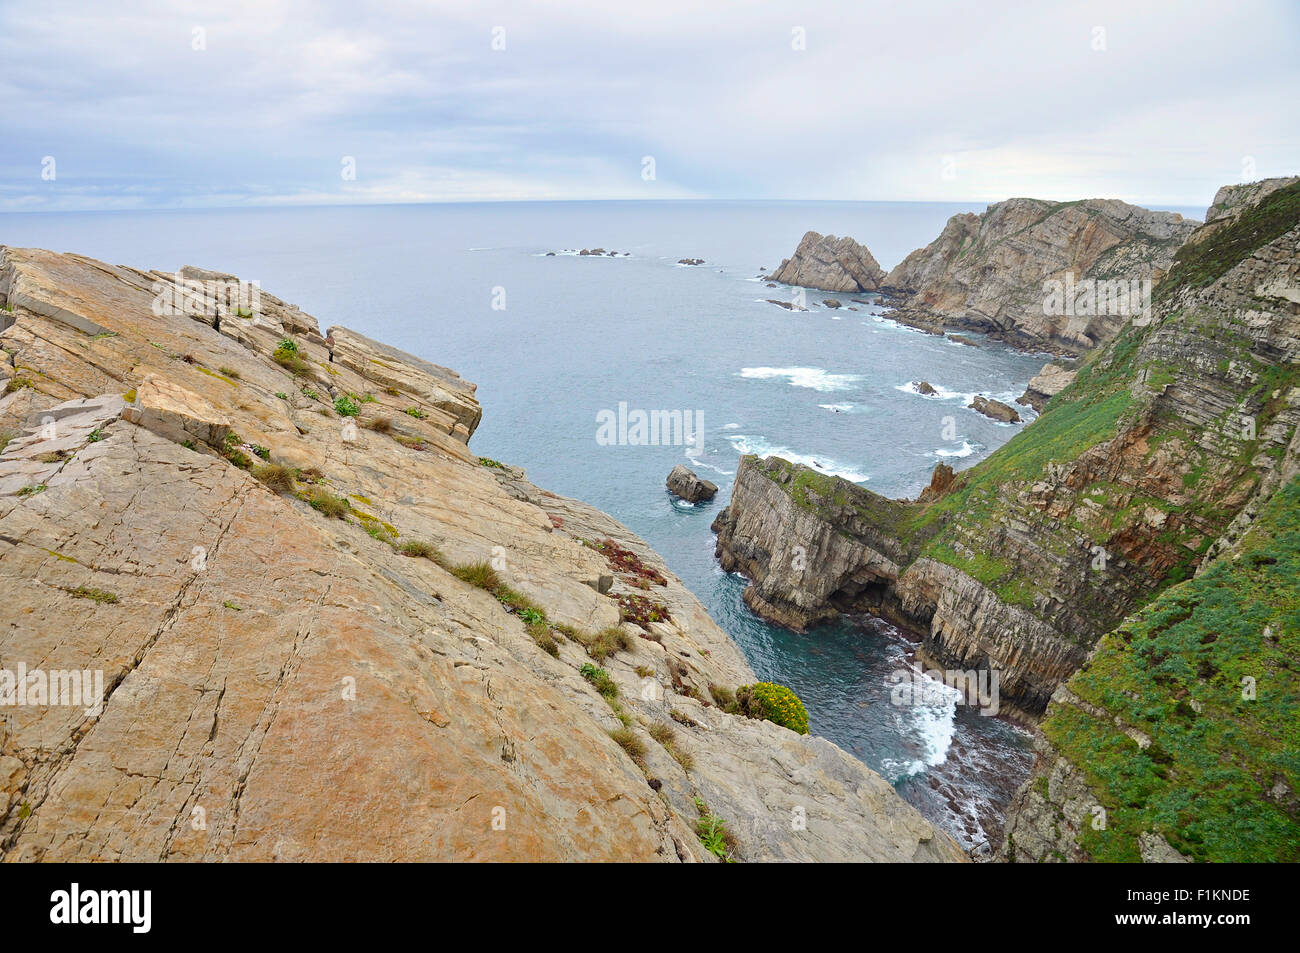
(579, 335)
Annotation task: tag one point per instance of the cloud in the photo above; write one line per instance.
(168, 104)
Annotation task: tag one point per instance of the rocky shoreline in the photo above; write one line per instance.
(1164, 460)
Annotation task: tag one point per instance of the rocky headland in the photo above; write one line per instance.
(1127, 562)
(328, 630)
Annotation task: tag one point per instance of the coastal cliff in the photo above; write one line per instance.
(1148, 467)
(987, 272)
(327, 630)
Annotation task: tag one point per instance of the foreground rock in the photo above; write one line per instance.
(995, 409)
(689, 487)
(1045, 385)
(294, 660)
(991, 272)
(828, 263)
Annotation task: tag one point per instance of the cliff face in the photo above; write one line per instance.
(371, 651)
(1152, 462)
(830, 264)
(987, 272)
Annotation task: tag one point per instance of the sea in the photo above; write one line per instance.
(557, 341)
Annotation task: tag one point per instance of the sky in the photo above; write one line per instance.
(128, 105)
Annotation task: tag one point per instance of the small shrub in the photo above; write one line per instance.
(541, 634)
(645, 671)
(5, 437)
(32, 490)
(380, 532)
(287, 344)
(229, 372)
(336, 507)
(775, 703)
(608, 641)
(261, 451)
(392, 392)
(418, 549)
(380, 425)
(713, 834)
(17, 383)
(489, 462)
(629, 742)
(411, 443)
(725, 697)
(96, 435)
(600, 680)
(94, 595)
(642, 611)
(662, 732)
(287, 357)
(478, 574)
(531, 616)
(230, 605)
(282, 395)
(345, 406)
(416, 412)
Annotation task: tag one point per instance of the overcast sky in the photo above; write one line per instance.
(164, 104)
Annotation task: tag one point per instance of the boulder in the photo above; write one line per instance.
(924, 387)
(683, 483)
(176, 414)
(995, 409)
(1045, 385)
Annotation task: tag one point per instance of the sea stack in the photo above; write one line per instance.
(683, 483)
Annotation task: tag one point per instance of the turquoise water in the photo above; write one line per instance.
(579, 335)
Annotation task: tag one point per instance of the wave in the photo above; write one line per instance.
(837, 408)
(929, 724)
(966, 449)
(759, 446)
(816, 378)
(694, 456)
(940, 392)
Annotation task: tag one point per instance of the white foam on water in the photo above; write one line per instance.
(836, 408)
(761, 447)
(940, 392)
(816, 378)
(693, 455)
(931, 722)
(966, 449)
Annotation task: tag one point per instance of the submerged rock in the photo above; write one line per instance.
(924, 387)
(685, 484)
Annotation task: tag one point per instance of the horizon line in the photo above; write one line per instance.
(576, 201)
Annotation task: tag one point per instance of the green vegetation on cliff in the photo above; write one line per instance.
(1210, 673)
(1199, 263)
